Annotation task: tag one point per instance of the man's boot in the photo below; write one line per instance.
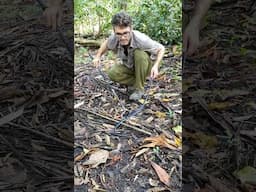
(136, 95)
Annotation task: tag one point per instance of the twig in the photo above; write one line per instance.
(116, 121)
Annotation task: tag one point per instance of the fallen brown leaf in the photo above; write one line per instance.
(162, 174)
(97, 158)
(160, 140)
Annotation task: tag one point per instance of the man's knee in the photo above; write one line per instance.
(113, 73)
(140, 55)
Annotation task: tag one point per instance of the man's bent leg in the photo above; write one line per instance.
(121, 74)
(143, 66)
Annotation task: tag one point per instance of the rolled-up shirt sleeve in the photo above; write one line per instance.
(149, 45)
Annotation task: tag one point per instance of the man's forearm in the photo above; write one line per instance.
(103, 48)
(201, 9)
(160, 56)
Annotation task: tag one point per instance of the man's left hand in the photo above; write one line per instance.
(154, 72)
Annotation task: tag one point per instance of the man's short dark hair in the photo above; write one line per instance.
(121, 19)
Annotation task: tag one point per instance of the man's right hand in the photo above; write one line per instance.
(96, 61)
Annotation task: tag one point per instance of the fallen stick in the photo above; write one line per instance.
(116, 121)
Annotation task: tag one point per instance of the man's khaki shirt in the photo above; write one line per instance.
(138, 41)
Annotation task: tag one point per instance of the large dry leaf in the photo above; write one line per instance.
(160, 140)
(161, 173)
(97, 158)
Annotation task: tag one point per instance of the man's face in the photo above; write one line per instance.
(123, 34)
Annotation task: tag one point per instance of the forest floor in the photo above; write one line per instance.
(144, 152)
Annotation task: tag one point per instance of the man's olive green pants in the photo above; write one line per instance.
(136, 76)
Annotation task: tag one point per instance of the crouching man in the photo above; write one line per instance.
(140, 55)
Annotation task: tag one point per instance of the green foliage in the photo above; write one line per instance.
(81, 10)
(160, 19)
(95, 15)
